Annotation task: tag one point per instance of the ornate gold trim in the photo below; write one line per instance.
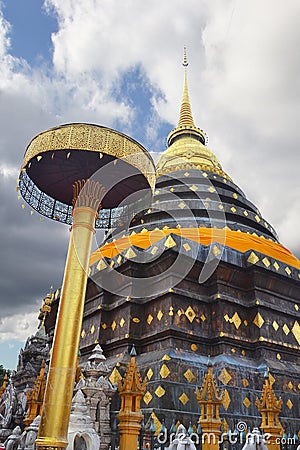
(94, 138)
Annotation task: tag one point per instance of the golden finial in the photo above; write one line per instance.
(185, 61)
(185, 118)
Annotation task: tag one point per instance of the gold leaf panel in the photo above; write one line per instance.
(184, 398)
(164, 371)
(189, 376)
(246, 402)
(149, 319)
(258, 320)
(115, 376)
(160, 391)
(160, 315)
(286, 329)
(236, 320)
(170, 242)
(245, 382)
(190, 314)
(289, 404)
(149, 374)
(253, 258)
(224, 376)
(296, 331)
(226, 399)
(147, 398)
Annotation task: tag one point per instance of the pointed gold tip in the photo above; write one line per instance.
(185, 61)
(186, 118)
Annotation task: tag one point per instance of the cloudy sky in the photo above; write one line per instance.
(118, 63)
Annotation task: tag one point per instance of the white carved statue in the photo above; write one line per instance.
(182, 440)
(255, 441)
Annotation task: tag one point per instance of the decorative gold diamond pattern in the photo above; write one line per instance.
(278, 356)
(113, 326)
(226, 399)
(190, 314)
(289, 404)
(104, 326)
(275, 325)
(224, 376)
(233, 209)
(245, 382)
(166, 358)
(276, 265)
(182, 205)
(288, 270)
(286, 329)
(101, 265)
(189, 376)
(216, 251)
(290, 385)
(149, 374)
(246, 213)
(186, 247)
(253, 258)
(193, 188)
(246, 402)
(148, 397)
(203, 317)
(258, 320)
(234, 195)
(115, 376)
(160, 315)
(236, 320)
(92, 330)
(149, 319)
(164, 371)
(296, 307)
(296, 331)
(122, 322)
(160, 391)
(154, 250)
(271, 379)
(211, 189)
(169, 242)
(130, 253)
(184, 398)
(266, 262)
(83, 333)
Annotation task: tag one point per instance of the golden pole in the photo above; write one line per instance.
(53, 430)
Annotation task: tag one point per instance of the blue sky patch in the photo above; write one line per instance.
(31, 30)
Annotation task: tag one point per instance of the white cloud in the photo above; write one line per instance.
(18, 327)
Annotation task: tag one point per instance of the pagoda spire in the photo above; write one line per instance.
(186, 126)
(186, 117)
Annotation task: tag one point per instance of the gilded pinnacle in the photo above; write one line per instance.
(185, 118)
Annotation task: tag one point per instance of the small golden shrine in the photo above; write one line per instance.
(210, 401)
(131, 389)
(35, 397)
(270, 407)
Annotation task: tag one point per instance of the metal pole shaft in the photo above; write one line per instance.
(54, 423)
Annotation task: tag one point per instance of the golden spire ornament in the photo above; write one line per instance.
(185, 117)
(131, 389)
(210, 401)
(270, 407)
